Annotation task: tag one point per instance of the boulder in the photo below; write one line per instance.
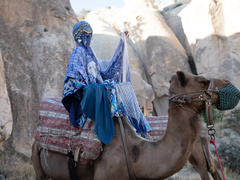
(35, 45)
(6, 120)
(172, 18)
(212, 31)
(156, 46)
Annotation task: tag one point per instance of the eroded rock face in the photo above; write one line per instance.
(211, 32)
(172, 18)
(154, 43)
(36, 43)
(158, 48)
(6, 120)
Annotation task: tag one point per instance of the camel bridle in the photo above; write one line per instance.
(206, 96)
(198, 96)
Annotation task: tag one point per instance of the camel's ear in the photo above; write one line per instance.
(203, 80)
(181, 78)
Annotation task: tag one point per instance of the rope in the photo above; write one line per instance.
(213, 142)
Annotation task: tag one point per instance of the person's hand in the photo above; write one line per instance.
(126, 34)
(150, 137)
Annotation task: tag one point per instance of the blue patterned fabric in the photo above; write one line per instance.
(130, 108)
(115, 68)
(72, 90)
(86, 40)
(71, 86)
(110, 86)
(80, 28)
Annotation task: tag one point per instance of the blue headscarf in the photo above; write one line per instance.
(82, 33)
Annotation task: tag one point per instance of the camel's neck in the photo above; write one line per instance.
(168, 155)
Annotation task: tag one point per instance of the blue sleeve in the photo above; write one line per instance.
(72, 85)
(72, 95)
(76, 67)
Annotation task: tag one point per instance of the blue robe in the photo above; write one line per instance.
(84, 69)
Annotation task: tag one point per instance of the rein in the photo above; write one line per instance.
(198, 97)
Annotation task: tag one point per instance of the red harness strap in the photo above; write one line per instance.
(213, 142)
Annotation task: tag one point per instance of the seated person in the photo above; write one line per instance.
(84, 69)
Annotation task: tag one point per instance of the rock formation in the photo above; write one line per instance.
(210, 33)
(154, 43)
(35, 45)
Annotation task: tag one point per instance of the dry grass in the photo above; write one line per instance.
(15, 166)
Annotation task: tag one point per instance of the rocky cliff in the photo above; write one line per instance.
(36, 42)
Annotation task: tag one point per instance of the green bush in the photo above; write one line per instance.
(229, 151)
(216, 115)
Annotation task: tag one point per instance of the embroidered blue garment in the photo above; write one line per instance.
(130, 108)
(73, 94)
(110, 86)
(84, 69)
(84, 64)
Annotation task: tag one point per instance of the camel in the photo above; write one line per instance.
(149, 159)
(202, 160)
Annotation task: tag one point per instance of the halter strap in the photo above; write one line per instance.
(198, 96)
(187, 99)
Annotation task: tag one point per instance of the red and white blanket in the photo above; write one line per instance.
(158, 125)
(56, 133)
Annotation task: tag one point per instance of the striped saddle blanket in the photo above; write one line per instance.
(55, 132)
(158, 125)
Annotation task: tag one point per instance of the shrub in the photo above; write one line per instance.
(216, 115)
(229, 152)
(234, 120)
(82, 14)
(14, 165)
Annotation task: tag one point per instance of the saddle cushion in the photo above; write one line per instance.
(158, 125)
(55, 132)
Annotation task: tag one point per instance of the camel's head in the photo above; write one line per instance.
(187, 88)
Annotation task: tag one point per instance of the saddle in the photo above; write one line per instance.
(55, 132)
(158, 125)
